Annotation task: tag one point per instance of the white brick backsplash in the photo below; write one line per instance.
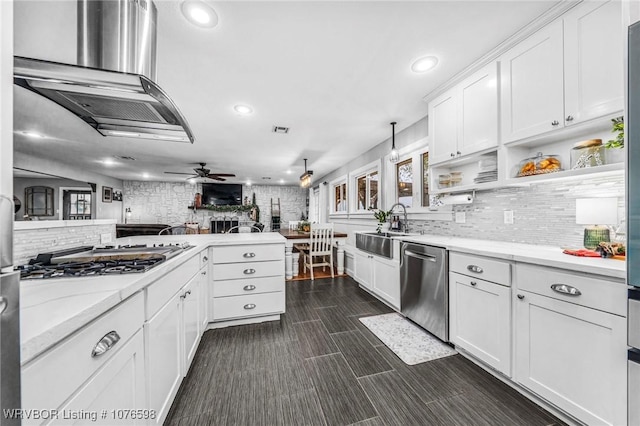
(167, 202)
(28, 243)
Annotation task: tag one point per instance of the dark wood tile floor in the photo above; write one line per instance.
(320, 366)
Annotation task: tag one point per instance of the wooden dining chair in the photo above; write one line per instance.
(320, 251)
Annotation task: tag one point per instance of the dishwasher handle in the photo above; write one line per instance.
(428, 257)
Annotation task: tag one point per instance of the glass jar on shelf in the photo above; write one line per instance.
(540, 164)
(444, 181)
(456, 178)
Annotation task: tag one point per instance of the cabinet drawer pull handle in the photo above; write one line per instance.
(249, 255)
(250, 306)
(555, 123)
(205, 258)
(566, 289)
(3, 304)
(521, 296)
(249, 271)
(204, 272)
(473, 283)
(106, 343)
(475, 268)
(249, 287)
(569, 118)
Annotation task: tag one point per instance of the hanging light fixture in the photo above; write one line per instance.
(395, 155)
(305, 178)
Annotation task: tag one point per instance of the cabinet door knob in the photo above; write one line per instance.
(452, 154)
(569, 118)
(205, 258)
(521, 296)
(249, 271)
(249, 287)
(204, 272)
(249, 255)
(105, 344)
(473, 283)
(555, 122)
(250, 306)
(458, 152)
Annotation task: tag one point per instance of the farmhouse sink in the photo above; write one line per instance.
(380, 244)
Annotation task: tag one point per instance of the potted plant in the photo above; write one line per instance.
(382, 216)
(304, 226)
(614, 148)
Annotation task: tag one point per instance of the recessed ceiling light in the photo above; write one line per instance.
(289, 172)
(32, 134)
(108, 162)
(424, 64)
(145, 175)
(243, 109)
(199, 13)
(248, 183)
(281, 180)
(192, 181)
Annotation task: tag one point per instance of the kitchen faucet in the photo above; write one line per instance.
(405, 222)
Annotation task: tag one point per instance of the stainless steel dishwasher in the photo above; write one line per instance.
(424, 287)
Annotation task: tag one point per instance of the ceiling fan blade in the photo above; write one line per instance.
(215, 177)
(222, 174)
(178, 173)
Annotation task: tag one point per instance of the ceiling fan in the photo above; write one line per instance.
(204, 173)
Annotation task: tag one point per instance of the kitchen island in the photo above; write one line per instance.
(91, 336)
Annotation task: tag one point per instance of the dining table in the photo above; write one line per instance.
(293, 236)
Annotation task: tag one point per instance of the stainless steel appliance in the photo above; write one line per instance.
(87, 261)
(633, 222)
(112, 87)
(424, 293)
(9, 317)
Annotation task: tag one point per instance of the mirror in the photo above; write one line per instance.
(42, 196)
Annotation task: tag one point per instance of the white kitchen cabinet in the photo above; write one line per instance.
(117, 388)
(378, 275)
(480, 308)
(363, 273)
(571, 341)
(464, 120)
(594, 65)
(572, 356)
(443, 127)
(480, 320)
(531, 76)
(569, 72)
(191, 318)
(203, 298)
(164, 365)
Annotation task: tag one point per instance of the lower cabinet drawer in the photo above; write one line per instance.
(231, 307)
(596, 293)
(235, 271)
(248, 286)
(493, 270)
(55, 375)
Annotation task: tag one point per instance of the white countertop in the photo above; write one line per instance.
(528, 253)
(52, 309)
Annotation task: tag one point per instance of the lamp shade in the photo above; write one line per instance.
(597, 211)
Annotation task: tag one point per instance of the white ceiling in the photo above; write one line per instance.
(336, 73)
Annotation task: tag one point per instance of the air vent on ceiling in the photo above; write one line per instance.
(124, 157)
(280, 129)
(266, 178)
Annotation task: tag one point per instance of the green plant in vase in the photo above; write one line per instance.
(382, 216)
(304, 226)
(614, 148)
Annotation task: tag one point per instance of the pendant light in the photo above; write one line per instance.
(305, 178)
(395, 155)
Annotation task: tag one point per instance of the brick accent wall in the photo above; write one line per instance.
(167, 202)
(27, 243)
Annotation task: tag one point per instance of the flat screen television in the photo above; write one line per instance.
(222, 194)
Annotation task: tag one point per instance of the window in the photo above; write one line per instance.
(38, 201)
(404, 182)
(425, 179)
(340, 197)
(368, 191)
(76, 205)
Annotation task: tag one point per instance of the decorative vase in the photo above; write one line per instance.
(614, 155)
(384, 227)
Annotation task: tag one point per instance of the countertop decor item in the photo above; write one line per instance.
(614, 148)
(586, 154)
(382, 216)
(596, 212)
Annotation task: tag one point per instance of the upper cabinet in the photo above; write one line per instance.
(567, 73)
(464, 120)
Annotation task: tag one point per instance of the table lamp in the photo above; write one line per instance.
(595, 213)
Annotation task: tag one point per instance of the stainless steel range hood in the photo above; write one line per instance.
(112, 86)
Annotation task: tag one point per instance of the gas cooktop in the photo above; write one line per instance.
(89, 261)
